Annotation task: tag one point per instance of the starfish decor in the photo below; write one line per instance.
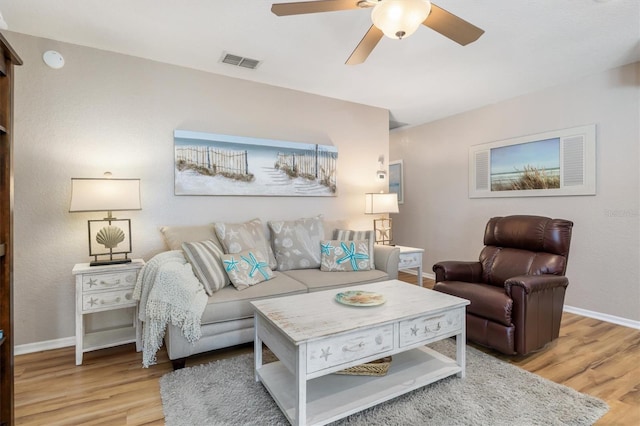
(326, 248)
(256, 266)
(351, 255)
(231, 265)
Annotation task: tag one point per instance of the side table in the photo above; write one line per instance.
(411, 257)
(104, 288)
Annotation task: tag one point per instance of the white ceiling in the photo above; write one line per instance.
(527, 46)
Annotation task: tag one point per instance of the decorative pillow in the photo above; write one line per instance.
(297, 243)
(345, 256)
(236, 237)
(205, 258)
(174, 236)
(247, 268)
(370, 236)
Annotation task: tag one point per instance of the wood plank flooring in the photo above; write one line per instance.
(111, 387)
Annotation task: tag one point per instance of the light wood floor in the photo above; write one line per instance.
(111, 387)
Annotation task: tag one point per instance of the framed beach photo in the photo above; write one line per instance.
(213, 164)
(396, 179)
(556, 163)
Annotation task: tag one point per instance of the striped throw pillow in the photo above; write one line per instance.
(205, 258)
(350, 235)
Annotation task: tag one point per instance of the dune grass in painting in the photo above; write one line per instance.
(530, 178)
(527, 166)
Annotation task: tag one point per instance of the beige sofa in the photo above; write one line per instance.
(228, 317)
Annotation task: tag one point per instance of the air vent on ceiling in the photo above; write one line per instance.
(239, 61)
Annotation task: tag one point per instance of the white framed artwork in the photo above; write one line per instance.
(556, 163)
(214, 164)
(396, 179)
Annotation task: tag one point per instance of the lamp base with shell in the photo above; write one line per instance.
(112, 240)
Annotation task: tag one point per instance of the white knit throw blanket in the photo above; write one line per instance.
(169, 293)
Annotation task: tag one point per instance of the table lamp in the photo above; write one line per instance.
(381, 203)
(109, 236)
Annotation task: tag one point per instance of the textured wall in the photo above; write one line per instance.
(106, 111)
(604, 263)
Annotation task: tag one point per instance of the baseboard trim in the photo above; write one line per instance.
(47, 345)
(603, 317)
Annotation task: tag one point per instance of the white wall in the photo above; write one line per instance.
(604, 262)
(106, 111)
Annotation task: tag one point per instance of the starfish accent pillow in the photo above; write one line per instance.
(345, 256)
(247, 268)
(348, 234)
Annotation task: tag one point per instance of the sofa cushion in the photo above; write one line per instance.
(236, 237)
(347, 234)
(247, 268)
(296, 243)
(317, 280)
(174, 236)
(205, 258)
(229, 304)
(346, 256)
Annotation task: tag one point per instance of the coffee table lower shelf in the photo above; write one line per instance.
(334, 396)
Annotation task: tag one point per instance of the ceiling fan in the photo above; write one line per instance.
(394, 18)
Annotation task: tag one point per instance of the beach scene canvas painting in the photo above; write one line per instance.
(526, 166)
(214, 164)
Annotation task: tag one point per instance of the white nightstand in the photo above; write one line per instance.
(411, 257)
(104, 288)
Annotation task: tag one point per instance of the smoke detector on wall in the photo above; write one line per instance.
(53, 59)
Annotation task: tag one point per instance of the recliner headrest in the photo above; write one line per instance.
(534, 233)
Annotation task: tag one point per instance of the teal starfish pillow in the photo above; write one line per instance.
(345, 256)
(247, 268)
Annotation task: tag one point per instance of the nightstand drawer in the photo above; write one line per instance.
(427, 327)
(114, 280)
(348, 347)
(410, 260)
(108, 299)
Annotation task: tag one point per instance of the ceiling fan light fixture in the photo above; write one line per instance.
(400, 18)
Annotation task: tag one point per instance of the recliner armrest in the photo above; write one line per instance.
(452, 270)
(386, 258)
(535, 283)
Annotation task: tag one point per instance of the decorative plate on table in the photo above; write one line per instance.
(360, 298)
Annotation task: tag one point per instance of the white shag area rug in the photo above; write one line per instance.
(493, 393)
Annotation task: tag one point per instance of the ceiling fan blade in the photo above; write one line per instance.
(365, 47)
(302, 7)
(450, 26)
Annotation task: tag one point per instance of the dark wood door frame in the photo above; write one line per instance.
(10, 58)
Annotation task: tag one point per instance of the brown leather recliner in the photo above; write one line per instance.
(518, 285)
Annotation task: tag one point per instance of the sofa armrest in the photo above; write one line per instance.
(386, 259)
(535, 283)
(452, 270)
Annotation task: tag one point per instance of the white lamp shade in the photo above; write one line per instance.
(91, 195)
(400, 18)
(379, 203)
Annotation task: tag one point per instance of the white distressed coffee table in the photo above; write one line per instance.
(313, 335)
